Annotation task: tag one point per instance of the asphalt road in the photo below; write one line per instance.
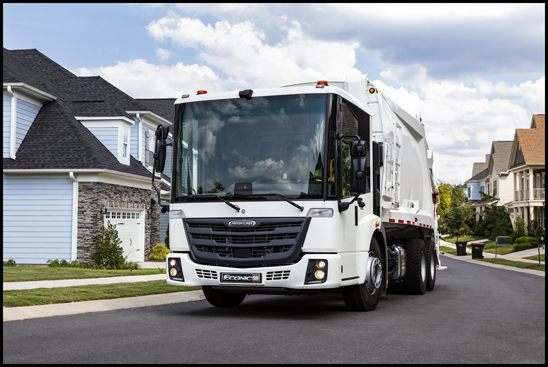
(476, 314)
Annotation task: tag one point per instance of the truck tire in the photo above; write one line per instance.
(219, 298)
(365, 297)
(415, 272)
(430, 265)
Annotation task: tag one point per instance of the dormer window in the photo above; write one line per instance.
(125, 142)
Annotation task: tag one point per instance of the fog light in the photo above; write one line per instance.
(320, 264)
(319, 274)
(173, 272)
(172, 262)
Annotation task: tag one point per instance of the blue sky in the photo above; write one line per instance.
(474, 72)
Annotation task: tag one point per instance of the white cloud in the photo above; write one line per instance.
(140, 79)
(240, 51)
(163, 54)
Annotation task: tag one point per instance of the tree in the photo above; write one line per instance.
(535, 230)
(444, 189)
(458, 213)
(520, 229)
(496, 222)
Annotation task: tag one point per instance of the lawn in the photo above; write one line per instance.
(45, 296)
(517, 264)
(32, 273)
(469, 238)
(535, 257)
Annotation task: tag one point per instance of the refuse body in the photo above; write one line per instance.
(461, 248)
(477, 250)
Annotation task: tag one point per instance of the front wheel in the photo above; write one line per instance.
(219, 298)
(365, 297)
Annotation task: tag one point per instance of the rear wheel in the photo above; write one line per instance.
(365, 297)
(415, 273)
(219, 298)
(430, 265)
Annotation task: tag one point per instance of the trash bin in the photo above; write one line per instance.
(461, 248)
(477, 250)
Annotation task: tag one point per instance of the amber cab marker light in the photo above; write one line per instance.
(371, 90)
(321, 84)
(202, 92)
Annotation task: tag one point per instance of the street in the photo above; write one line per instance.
(476, 314)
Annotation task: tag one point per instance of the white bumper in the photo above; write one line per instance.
(286, 276)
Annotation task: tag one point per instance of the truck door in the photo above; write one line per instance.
(353, 121)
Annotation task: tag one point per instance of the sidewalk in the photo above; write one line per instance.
(513, 256)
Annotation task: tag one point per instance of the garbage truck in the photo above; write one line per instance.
(297, 190)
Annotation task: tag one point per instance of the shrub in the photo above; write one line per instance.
(108, 252)
(526, 240)
(53, 263)
(519, 229)
(9, 262)
(75, 264)
(159, 252)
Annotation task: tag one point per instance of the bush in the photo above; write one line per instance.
(159, 252)
(526, 240)
(108, 252)
(9, 262)
(519, 229)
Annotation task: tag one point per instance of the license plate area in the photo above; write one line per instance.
(241, 278)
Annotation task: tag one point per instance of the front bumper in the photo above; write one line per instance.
(285, 276)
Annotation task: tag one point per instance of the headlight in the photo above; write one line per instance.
(320, 264)
(319, 274)
(173, 272)
(320, 212)
(176, 214)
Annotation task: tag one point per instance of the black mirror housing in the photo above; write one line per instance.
(358, 151)
(160, 148)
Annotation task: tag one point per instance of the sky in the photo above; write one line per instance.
(473, 72)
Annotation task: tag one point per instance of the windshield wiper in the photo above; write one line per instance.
(233, 206)
(301, 208)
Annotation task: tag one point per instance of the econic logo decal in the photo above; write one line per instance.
(241, 223)
(241, 278)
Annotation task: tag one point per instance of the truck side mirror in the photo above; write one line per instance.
(160, 148)
(358, 152)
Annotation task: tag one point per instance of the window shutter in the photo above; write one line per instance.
(146, 148)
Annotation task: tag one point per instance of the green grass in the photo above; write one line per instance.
(517, 264)
(32, 273)
(535, 257)
(469, 238)
(45, 296)
(448, 250)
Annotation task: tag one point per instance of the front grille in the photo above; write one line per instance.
(206, 274)
(233, 252)
(270, 241)
(277, 275)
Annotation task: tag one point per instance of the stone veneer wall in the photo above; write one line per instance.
(94, 196)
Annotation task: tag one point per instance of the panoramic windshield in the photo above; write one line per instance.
(242, 148)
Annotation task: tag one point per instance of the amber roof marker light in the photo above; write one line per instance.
(202, 92)
(371, 90)
(321, 84)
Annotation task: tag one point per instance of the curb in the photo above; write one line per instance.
(511, 268)
(63, 309)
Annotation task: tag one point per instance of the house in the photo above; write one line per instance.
(479, 171)
(527, 162)
(77, 153)
(494, 180)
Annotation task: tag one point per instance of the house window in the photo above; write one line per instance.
(151, 147)
(125, 142)
(495, 188)
(469, 193)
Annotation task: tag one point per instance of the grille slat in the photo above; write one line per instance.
(206, 274)
(277, 275)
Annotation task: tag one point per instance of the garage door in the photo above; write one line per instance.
(130, 227)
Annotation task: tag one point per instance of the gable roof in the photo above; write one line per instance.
(531, 141)
(55, 131)
(478, 167)
(500, 156)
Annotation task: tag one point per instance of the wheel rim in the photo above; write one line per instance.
(374, 273)
(432, 265)
(423, 267)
